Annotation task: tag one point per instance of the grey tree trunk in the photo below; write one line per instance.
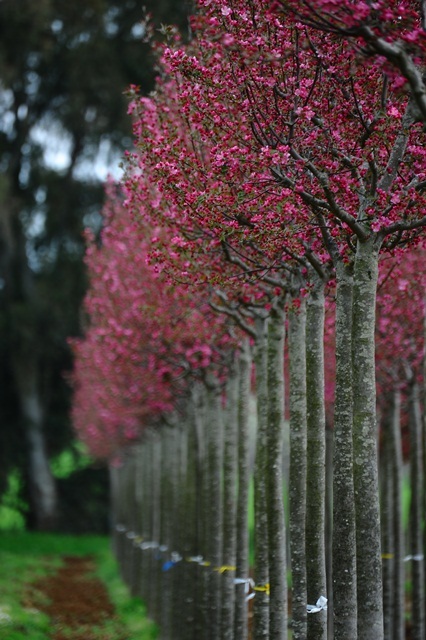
(276, 523)
(167, 523)
(261, 567)
(315, 480)
(190, 539)
(138, 499)
(416, 515)
(44, 499)
(201, 592)
(114, 483)
(328, 530)
(129, 518)
(242, 557)
(156, 456)
(344, 545)
(182, 535)
(144, 480)
(214, 457)
(387, 532)
(424, 439)
(398, 605)
(369, 569)
(297, 479)
(230, 502)
(203, 425)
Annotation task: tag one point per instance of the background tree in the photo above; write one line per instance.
(63, 70)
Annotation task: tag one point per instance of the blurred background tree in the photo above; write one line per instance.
(63, 70)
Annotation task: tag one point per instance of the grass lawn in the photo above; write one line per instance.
(26, 557)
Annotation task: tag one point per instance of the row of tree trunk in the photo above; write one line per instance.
(181, 503)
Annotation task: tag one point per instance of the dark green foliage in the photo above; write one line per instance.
(79, 515)
(64, 68)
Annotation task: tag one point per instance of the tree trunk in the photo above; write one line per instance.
(201, 586)
(43, 493)
(315, 489)
(190, 529)
(214, 459)
(387, 532)
(328, 530)
(424, 434)
(137, 488)
(261, 572)
(168, 521)
(369, 569)
(230, 502)
(344, 546)
(297, 481)
(156, 455)
(129, 500)
(398, 527)
(276, 523)
(416, 515)
(242, 558)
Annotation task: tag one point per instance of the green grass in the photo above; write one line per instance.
(25, 557)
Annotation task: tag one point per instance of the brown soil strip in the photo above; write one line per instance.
(74, 600)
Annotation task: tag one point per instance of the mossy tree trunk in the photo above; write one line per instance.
(416, 514)
(392, 529)
(387, 529)
(230, 478)
(261, 567)
(344, 545)
(297, 480)
(398, 608)
(367, 509)
(242, 554)
(215, 464)
(315, 480)
(201, 585)
(276, 522)
(167, 523)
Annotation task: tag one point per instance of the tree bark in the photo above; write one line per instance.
(242, 557)
(214, 458)
(230, 479)
(168, 521)
(43, 493)
(201, 593)
(416, 515)
(369, 570)
(297, 480)
(315, 489)
(261, 571)
(137, 489)
(190, 539)
(398, 608)
(344, 546)
(387, 533)
(276, 523)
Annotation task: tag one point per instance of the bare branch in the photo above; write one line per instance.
(233, 313)
(398, 151)
(403, 225)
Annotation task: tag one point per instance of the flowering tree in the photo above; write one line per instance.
(148, 342)
(400, 356)
(140, 344)
(311, 148)
(307, 162)
(393, 32)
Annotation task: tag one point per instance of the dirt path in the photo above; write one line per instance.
(75, 601)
